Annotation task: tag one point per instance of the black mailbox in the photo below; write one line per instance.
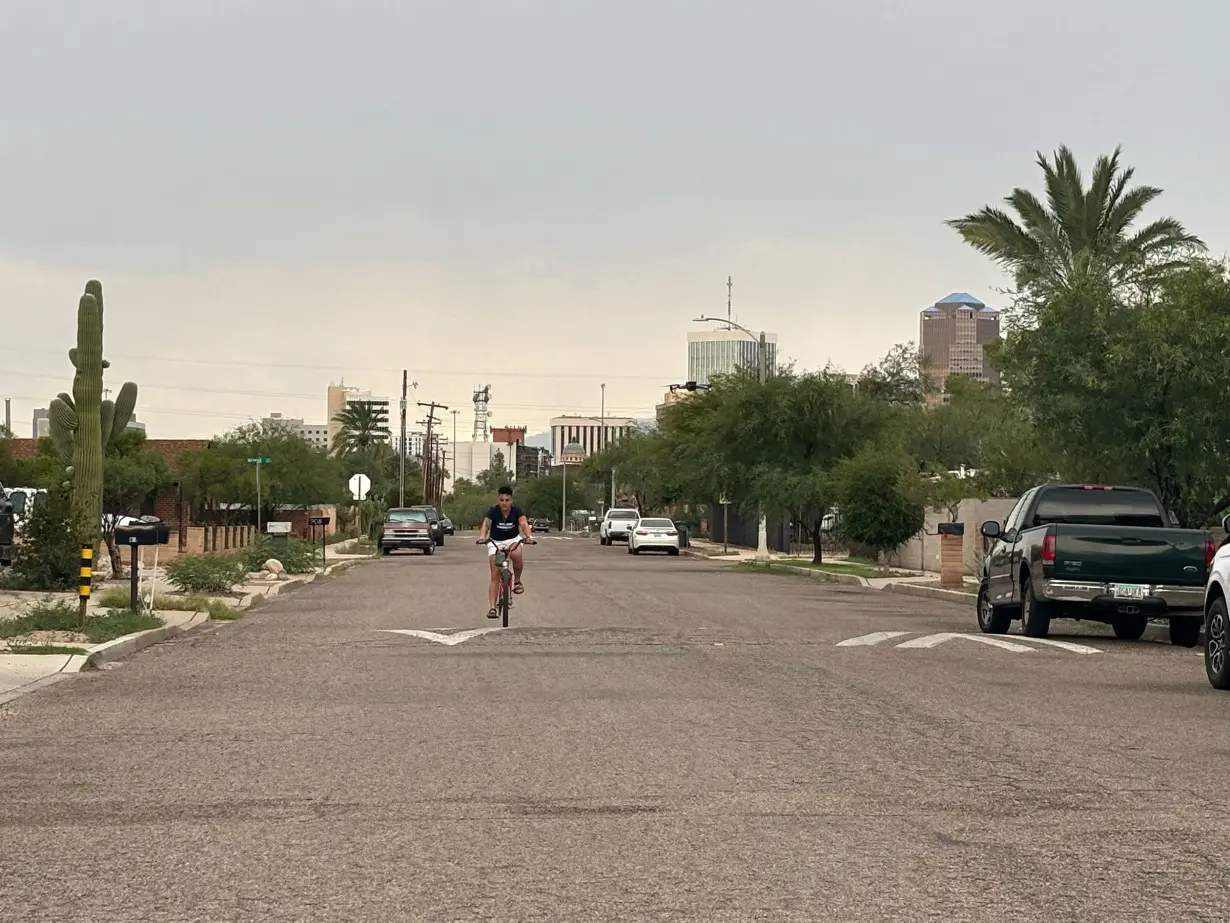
(148, 531)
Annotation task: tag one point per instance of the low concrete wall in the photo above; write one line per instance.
(922, 552)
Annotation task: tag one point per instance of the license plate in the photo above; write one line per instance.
(1129, 590)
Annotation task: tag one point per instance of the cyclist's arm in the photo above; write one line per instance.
(484, 529)
(526, 532)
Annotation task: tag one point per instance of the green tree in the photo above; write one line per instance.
(543, 497)
(364, 424)
(639, 468)
(496, 474)
(879, 498)
(899, 378)
(131, 473)
(1081, 234)
(297, 476)
(1135, 394)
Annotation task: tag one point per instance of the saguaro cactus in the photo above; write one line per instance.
(83, 424)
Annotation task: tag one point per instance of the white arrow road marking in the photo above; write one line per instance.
(874, 638)
(443, 639)
(1067, 646)
(933, 640)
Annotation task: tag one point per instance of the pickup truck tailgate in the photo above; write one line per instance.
(1125, 554)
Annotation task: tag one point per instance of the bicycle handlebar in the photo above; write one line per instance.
(491, 541)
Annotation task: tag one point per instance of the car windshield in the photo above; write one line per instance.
(622, 514)
(18, 500)
(657, 523)
(407, 516)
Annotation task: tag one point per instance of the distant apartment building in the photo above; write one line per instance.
(339, 397)
(314, 434)
(589, 433)
(42, 424)
(952, 335)
(724, 352)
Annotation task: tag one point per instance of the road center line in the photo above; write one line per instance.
(934, 640)
(873, 638)
(450, 640)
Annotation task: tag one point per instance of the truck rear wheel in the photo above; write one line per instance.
(1130, 627)
(1185, 630)
(1035, 613)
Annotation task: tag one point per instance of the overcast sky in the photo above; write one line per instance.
(540, 194)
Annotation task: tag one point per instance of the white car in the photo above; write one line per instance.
(617, 525)
(653, 535)
(1217, 617)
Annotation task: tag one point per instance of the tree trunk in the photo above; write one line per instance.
(117, 563)
(817, 555)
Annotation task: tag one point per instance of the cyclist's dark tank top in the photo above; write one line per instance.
(502, 526)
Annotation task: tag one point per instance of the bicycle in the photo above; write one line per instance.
(504, 563)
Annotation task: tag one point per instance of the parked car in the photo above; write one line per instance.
(435, 519)
(446, 526)
(617, 524)
(541, 525)
(653, 535)
(1217, 616)
(1096, 553)
(406, 527)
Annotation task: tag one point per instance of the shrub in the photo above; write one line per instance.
(206, 573)
(298, 557)
(879, 500)
(49, 557)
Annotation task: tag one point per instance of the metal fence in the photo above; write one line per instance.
(745, 528)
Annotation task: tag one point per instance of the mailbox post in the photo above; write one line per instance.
(278, 533)
(323, 522)
(148, 530)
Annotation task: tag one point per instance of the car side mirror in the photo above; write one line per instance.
(1225, 523)
(433, 522)
(990, 529)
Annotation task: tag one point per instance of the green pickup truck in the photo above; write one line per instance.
(1094, 553)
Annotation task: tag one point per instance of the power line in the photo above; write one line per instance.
(596, 376)
(285, 395)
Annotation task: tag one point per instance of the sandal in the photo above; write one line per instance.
(519, 588)
(492, 614)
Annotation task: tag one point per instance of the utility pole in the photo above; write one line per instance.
(402, 447)
(428, 460)
(8, 417)
(602, 442)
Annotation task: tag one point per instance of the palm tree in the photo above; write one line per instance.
(1080, 233)
(364, 424)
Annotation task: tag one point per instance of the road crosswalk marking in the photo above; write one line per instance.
(1018, 644)
(450, 640)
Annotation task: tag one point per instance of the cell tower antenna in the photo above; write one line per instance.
(729, 287)
(482, 397)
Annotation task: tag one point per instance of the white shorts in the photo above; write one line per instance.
(501, 545)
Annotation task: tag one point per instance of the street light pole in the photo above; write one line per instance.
(602, 441)
(762, 355)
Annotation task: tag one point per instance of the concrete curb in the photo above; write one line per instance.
(130, 644)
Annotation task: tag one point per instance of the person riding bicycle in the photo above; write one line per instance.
(504, 523)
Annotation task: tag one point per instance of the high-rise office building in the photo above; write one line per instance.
(952, 335)
(723, 352)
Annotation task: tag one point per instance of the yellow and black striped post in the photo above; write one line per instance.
(87, 572)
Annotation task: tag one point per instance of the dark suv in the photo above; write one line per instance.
(433, 517)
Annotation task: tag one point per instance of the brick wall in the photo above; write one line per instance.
(170, 449)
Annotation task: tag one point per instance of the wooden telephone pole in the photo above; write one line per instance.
(428, 454)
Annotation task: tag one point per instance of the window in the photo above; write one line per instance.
(622, 514)
(407, 516)
(1098, 507)
(657, 524)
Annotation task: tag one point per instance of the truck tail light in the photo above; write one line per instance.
(1048, 549)
(1209, 551)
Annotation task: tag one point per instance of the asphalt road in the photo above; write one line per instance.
(653, 739)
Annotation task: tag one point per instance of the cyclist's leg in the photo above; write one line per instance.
(518, 563)
(493, 585)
